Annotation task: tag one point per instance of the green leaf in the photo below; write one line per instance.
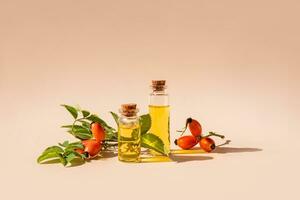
(95, 118)
(111, 135)
(86, 124)
(71, 110)
(85, 113)
(71, 156)
(47, 156)
(70, 131)
(116, 117)
(80, 129)
(83, 136)
(135, 133)
(78, 155)
(82, 156)
(153, 142)
(74, 145)
(63, 160)
(145, 121)
(53, 152)
(80, 132)
(108, 129)
(64, 144)
(52, 149)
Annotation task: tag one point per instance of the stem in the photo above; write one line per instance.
(181, 131)
(112, 145)
(82, 120)
(225, 143)
(186, 125)
(107, 145)
(110, 140)
(215, 134)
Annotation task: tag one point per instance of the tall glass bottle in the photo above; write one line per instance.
(159, 111)
(129, 137)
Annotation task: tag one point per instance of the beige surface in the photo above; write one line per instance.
(234, 65)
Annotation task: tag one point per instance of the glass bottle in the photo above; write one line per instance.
(159, 111)
(129, 137)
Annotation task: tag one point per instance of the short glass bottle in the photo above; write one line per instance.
(129, 137)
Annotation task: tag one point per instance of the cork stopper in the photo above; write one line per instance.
(158, 85)
(129, 109)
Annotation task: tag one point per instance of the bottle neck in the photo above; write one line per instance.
(159, 98)
(129, 115)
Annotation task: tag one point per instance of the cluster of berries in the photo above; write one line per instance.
(189, 141)
(92, 147)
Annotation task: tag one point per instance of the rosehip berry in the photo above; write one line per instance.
(98, 131)
(194, 126)
(80, 151)
(92, 146)
(207, 144)
(186, 142)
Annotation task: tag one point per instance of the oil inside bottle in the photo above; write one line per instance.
(129, 145)
(160, 117)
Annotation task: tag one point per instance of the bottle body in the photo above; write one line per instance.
(129, 139)
(159, 111)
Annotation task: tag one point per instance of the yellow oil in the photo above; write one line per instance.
(187, 151)
(156, 158)
(129, 145)
(160, 126)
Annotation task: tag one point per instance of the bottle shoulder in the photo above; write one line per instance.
(131, 121)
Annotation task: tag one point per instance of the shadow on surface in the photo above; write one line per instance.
(181, 159)
(73, 163)
(221, 150)
(152, 159)
(176, 155)
(106, 154)
(235, 150)
(174, 158)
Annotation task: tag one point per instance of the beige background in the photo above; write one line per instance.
(234, 65)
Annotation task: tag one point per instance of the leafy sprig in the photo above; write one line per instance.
(66, 153)
(81, 125)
